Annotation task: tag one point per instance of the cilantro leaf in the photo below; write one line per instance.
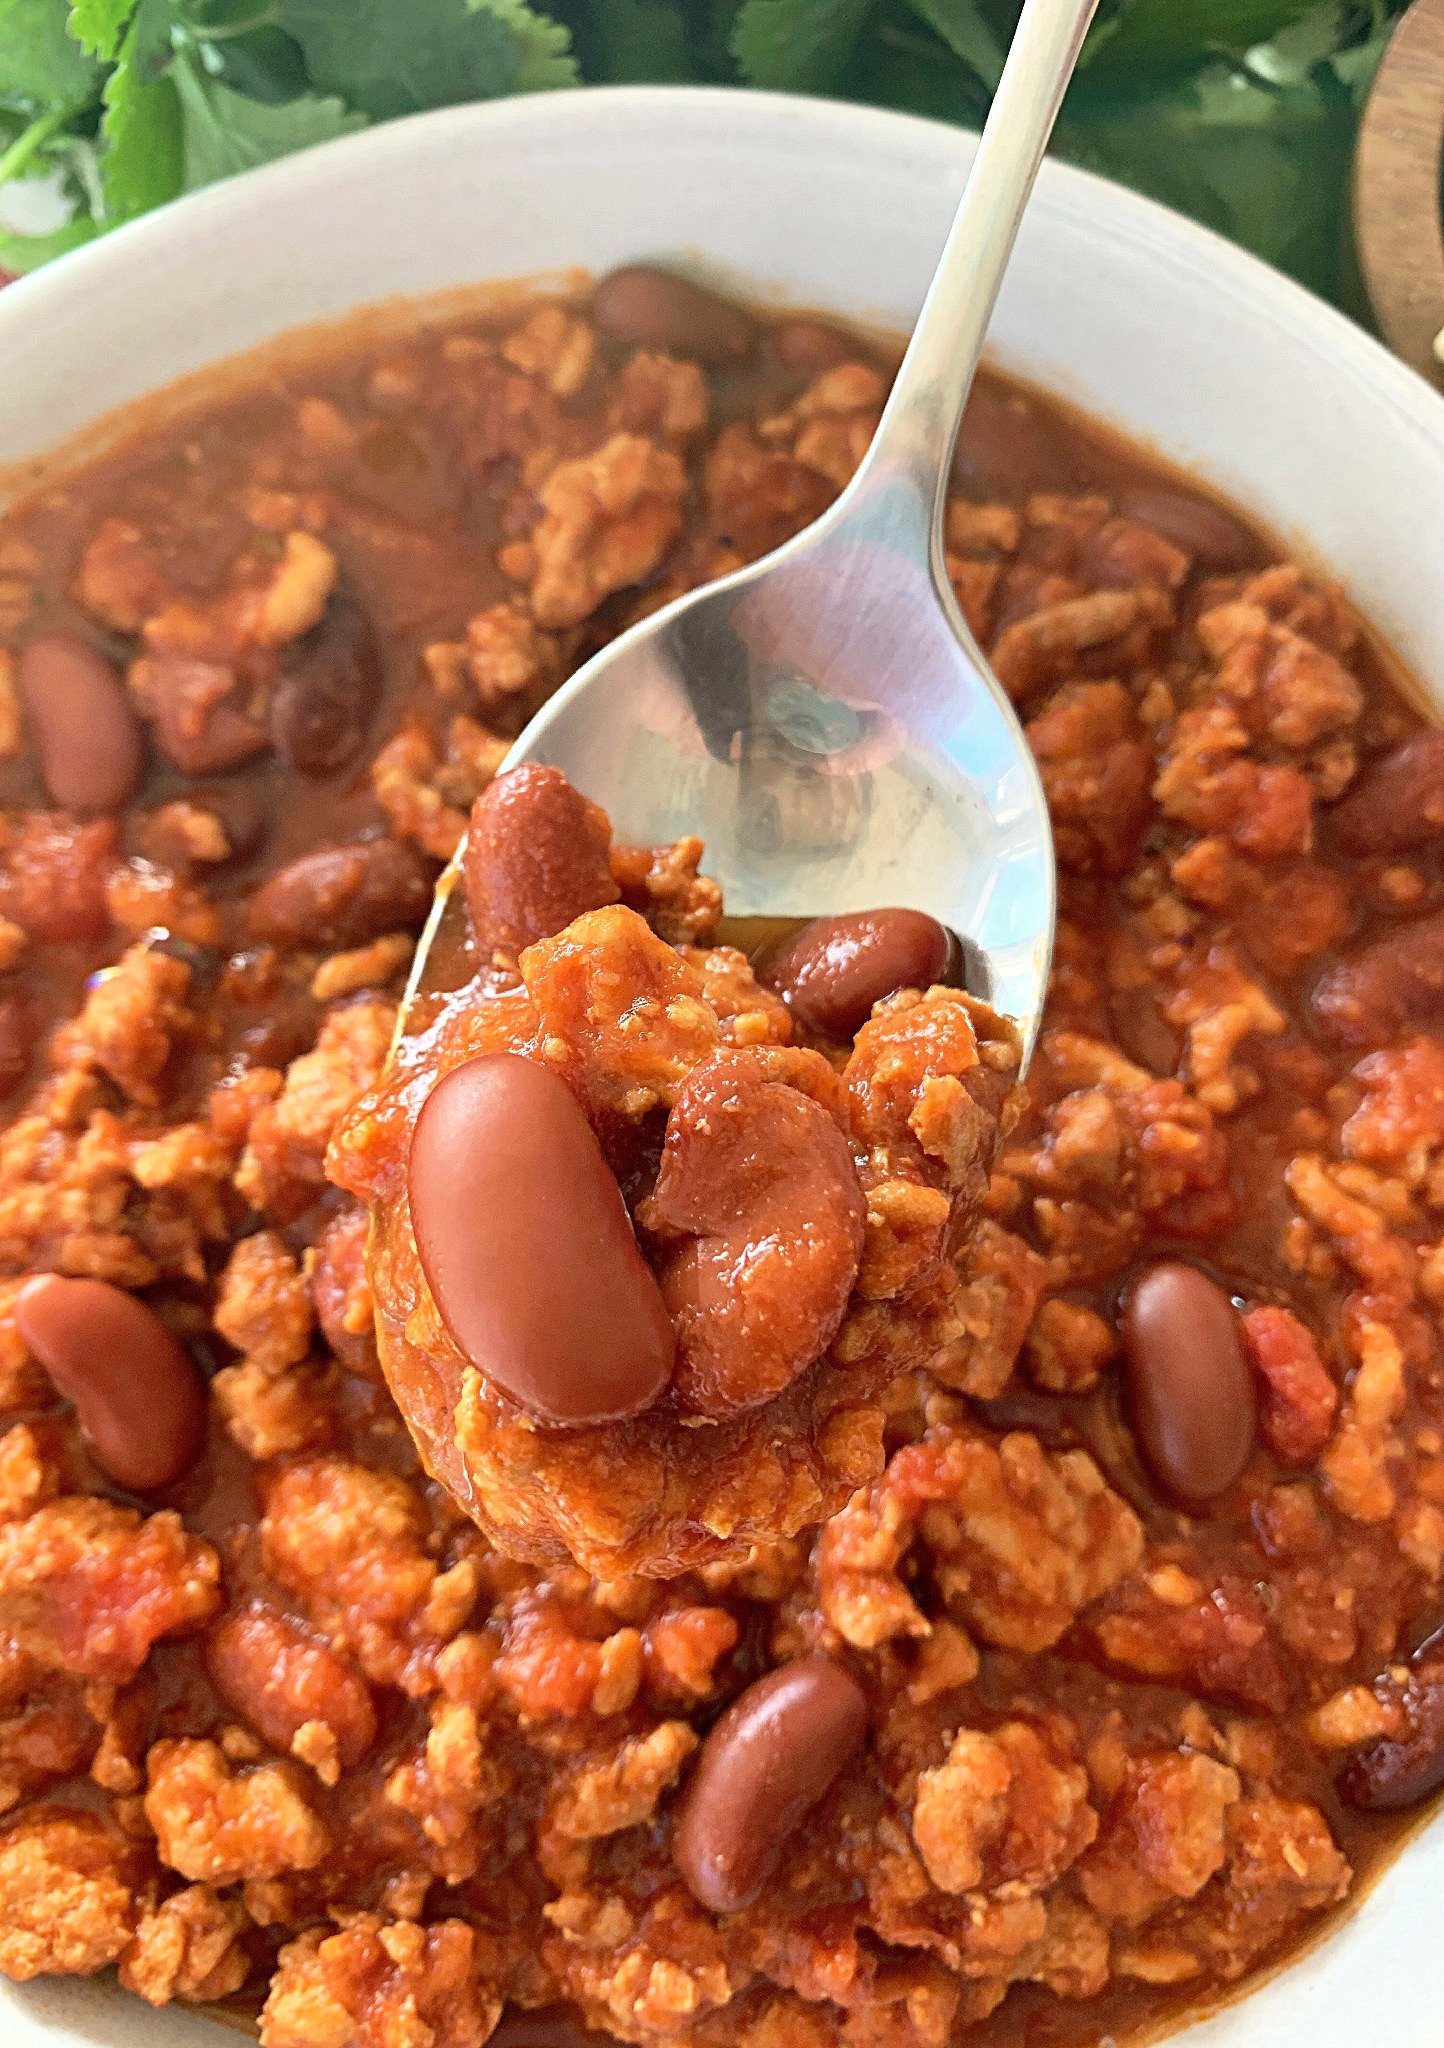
(968, 34)
(546, 46)
(641, 41)
(1178, 32)
(801, 45)
(98, 25)
(390, 60)
(224, 132)
(40, 67)
(140, 160)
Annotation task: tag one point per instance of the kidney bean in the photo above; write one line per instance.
(763, 1766)
(137, 1394)
(17, 1039)
(1400, 1770)
(536, 857)
(527, 1246)
(651, 308)
(275, 1677)
(85, 735)
(834, 969)
(758, 1184)
(1215, 539)
(1008, 447)
(1190, 1391)
(810, 346)
(344, 896)
(328, 691)
(1397, 803)
(1395, 985)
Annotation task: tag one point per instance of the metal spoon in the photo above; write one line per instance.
(824, 719)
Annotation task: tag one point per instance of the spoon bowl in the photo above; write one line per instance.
(832, 755)
(823, 719)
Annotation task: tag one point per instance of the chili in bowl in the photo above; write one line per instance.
(1008, 1608)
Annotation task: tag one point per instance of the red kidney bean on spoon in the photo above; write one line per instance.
(655, 309)
(137, 1394)
(536, 857)
(526, 1244)
(1190, 1391)
(834, 969)
(763, 1766)
(85, 734)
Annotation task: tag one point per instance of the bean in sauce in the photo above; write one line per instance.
(656, 309)
(138, 1397)
(327, 694)
(81, 725)
(762, 1769)
(1191, 1397)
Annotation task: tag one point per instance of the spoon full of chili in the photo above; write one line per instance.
(823, 718)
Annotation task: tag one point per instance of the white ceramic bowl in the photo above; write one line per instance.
(1111, 301)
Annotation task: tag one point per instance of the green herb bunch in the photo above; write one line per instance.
(1239, 111)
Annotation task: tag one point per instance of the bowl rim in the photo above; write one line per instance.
(1171, 237)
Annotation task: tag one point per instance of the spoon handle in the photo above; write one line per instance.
(911, 453)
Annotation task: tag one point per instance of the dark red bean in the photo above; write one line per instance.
(1008, 447)
(536, 857)
(834, 969)
(329, 688)
(85, 735)
(1214, 538)
(137, 1394)
(1393, 986)
(650, 308)
(1401, 1771)
(1190, 1391)
(276, 1678)
(762, 1768)
(1397, 803)
(809, 346)
(761, 1214)
(344, 896)
(527, 1246)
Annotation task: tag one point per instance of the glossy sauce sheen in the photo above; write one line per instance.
(763, 1767)
(139, 1398)
(1190, 1393)
(545, 1291)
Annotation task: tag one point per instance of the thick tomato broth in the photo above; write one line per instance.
(288, 1717)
